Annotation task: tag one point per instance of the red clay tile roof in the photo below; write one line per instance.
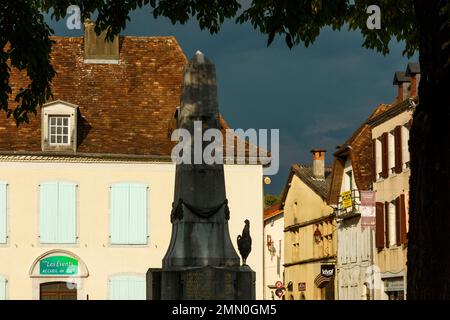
(124, 108)
(272, 211)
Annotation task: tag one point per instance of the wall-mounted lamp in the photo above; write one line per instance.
(317, 236)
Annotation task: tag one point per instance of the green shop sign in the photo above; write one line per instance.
(58, 266)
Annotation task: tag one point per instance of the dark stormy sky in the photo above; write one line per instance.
(316, 96)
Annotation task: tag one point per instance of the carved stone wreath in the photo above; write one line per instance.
(205, 213)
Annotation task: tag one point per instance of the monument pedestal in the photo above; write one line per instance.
(202, 283)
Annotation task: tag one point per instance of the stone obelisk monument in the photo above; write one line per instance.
(201, 262)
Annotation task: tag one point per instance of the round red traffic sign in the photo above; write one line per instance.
(278, 284)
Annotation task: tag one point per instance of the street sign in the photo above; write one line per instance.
(302, 286)
(278, 284)
(279, 293)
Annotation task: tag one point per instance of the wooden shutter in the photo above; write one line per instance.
(379, 228)
(119, 214)
(374, 160)
(128, 288)
(48, 212)
(2, 288)
(397, 221)
(386, 220)
(57, 216)
(129, 214)
(3, 222)
(136, 288)
(403, 222)
(398, 149)
(384, 155)
(138, 214)
(67, 215)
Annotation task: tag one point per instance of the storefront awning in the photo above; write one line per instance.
(321, 281)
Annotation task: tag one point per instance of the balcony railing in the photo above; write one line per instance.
(346, 208)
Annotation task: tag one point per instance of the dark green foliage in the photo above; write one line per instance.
(270, 200)
(298, 21)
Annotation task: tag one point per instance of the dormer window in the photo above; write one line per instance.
(59, 129)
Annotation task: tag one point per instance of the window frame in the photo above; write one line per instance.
(59, 108)
(392, 224)
(56, 126)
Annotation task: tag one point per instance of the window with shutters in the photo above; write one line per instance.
(129, 214)
(384, 155)
(3, 214)
(57, 213)
(398, 149)
(392, 224)
(3, 287)
(391, 152)
(127, 287)
(405, 149)
(378, 159)
(401, 223)
(379, 227)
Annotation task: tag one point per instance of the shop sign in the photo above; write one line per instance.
(302, 286)
(58, 266)
(327, 270)
(346, 199)
(394, 284)
(368, 211)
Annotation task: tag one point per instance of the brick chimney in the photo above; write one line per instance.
(413, 71)
(318, 163)
(403, 82)
(96, 48)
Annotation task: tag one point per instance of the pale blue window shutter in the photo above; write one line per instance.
(120, 199)
(2, 288)
(67, 215)
(128, 214)
(48, 224)
(128, 288)
(58, 212)
(3, 221)
(138, 214)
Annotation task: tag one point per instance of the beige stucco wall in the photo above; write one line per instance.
(303, 205)
(272, 272)
(391, 261)
(244, 191)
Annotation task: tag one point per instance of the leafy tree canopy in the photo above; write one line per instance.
(24, 35)
(271, 199)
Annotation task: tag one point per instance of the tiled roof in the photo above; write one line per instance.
(305, 174)
(400, 77)
(359, 149)
(272, 211)
(320, 186)
(412, 68)
(125, 108)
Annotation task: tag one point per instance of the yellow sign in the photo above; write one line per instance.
(346, 199)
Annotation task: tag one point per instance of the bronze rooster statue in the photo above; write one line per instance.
(244, 242)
